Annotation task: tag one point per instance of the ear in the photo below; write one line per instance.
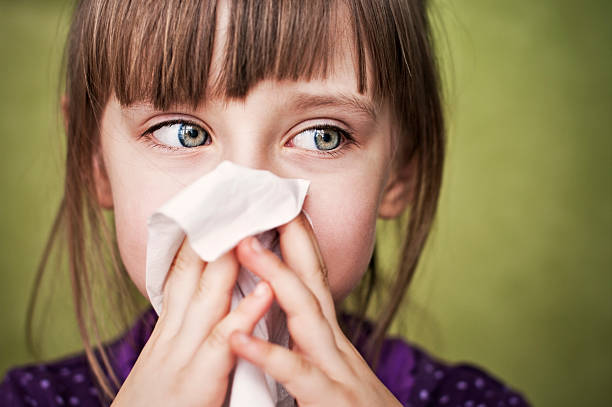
(399, 191)
(104, 192)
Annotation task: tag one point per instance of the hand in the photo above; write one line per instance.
(187, 360)
(323, 368)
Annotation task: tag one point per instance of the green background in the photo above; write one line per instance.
(517, 274)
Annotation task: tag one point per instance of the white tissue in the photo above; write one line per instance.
(215, 213)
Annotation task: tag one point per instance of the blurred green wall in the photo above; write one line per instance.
(517, 275)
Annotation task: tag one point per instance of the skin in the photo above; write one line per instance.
(197, 335)
(345, 191)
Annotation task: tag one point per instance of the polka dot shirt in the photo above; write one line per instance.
(415, 378)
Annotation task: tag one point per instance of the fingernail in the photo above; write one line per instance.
(307, 216)
(255, 245)
(261, 289)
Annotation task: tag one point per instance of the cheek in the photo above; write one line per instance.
(343, 210)
(344, 220)
(131, 230)
(139, 188)
(134, 203)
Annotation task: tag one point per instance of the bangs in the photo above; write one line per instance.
(176, 52)
(162, 52)
(167, 53)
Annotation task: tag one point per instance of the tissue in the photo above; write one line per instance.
(216, 212)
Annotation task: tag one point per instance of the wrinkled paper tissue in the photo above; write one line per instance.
(215, 213)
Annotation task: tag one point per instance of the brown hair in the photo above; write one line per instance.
(160, 52)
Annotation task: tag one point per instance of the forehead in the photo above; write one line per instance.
(186, 52)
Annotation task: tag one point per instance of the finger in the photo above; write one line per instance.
(180, 285)
(301, 253)
(309, 329)
(211, 299)
(216, 351)
(299, 376)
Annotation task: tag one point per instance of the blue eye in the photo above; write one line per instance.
(321, 139)
(181, 134)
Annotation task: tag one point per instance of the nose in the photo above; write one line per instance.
(250, 135)
(246, 148)
(259, 152)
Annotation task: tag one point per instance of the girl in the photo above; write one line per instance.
(344, 93)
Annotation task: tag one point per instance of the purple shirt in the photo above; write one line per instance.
(415, 378)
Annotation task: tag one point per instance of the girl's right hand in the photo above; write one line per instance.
(187, 360)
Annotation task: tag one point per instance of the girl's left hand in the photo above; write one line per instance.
(323, 368)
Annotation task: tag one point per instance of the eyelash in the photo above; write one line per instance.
(148, 134)
(347, 142)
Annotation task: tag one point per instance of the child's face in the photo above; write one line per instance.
(266, 130)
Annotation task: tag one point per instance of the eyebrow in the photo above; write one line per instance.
(304, 101)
